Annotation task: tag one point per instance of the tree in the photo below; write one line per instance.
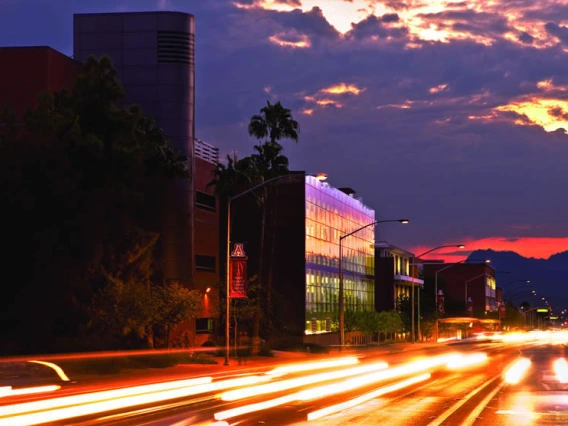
(273, 124)
(81, 179)
(389, 322)
(175, 304)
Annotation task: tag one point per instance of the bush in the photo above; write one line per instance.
(315, 348)
(209, 344)
(199, 358)
(265, 351)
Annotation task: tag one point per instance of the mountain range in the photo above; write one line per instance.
(549, 277)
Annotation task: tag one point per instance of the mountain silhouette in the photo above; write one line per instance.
(549, 277)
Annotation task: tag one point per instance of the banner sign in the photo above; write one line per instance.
(238, 273)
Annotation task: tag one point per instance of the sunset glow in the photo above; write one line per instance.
(550, 114)
(537, 247)
(432, 21)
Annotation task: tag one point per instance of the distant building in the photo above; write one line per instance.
(153, 53)
(27, 71)
(395, 275)
(463, 281)
(305, 223)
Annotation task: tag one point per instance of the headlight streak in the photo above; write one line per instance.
(561, 369)
(310, 366)
(465, 361)
(111, 402)
(346, 385)
(314, 415)
(300, 381)
(10, 410)
(515, 373)
(8, 391)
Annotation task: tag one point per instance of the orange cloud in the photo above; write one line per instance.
(548, 86)
(550, 114)
(307, 111)
(327, 102)
(302, 41)
(538, 247)
(439, 88)
(342, 88)
(430, 20)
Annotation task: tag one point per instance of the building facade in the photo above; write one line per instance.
(31, 71)
(153, 53)
(462, 282)
(331, 213)
(395, 275)
(305, 219)
(207, 264)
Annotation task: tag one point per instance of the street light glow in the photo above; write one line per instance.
(321, 177)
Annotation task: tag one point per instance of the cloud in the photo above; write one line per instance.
(560, 32)
(291, 39)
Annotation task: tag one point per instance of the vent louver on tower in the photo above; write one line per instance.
(176, 47)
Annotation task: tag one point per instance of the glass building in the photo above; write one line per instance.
(329, 214)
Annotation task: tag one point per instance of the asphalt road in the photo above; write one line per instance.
(433, 395)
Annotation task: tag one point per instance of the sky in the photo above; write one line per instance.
(451, 114)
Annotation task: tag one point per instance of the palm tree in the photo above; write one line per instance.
(275, 123)
(270, 126)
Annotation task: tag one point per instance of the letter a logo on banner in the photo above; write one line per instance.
(239, 250)
(238, 273)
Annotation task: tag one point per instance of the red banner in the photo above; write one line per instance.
(238, 274)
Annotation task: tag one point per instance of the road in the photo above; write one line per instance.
(465, 384)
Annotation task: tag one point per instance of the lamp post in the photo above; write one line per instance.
(319, 176)
(436, 288)
(460, 246)
(341, 301)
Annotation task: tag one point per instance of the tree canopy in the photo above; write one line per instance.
(80, 226)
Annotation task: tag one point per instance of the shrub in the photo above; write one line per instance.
(265, 351)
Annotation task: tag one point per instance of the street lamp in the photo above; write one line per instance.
(318, 176)
(341, 301)
(460, 246)
(436, 287)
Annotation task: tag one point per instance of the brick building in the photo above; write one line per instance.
(30, 70)
(462, 281)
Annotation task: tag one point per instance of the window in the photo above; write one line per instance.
(205, 263)
(205, 201)
(204, 326)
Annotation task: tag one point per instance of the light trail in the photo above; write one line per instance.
(9, 391)
(561, 370)
(418, 366)
(310, 366)
(301, 381)
(314, 415)
(115, 403)
(516, 372)
(465, 361)
(11, 410)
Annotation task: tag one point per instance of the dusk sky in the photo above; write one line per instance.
(451, 114)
